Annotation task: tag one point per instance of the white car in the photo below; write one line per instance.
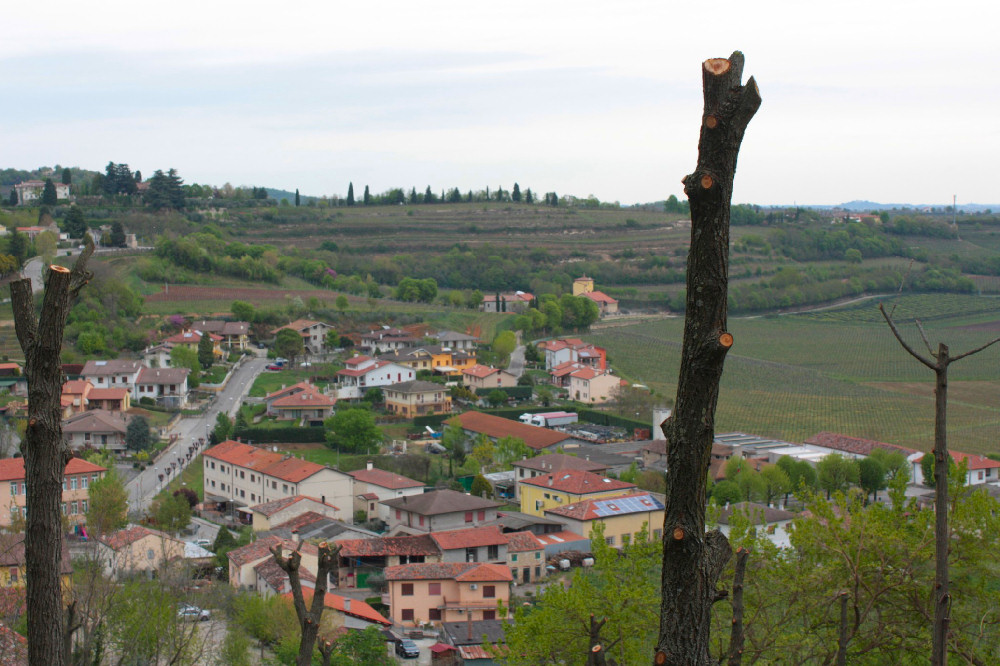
(190, 613)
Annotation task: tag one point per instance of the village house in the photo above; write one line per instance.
(584, 286)
(96, 429)
(364, 372)
(116, 373)
(191, 339)
(566, 487)
(77, 477)
(417, 398)
(316, 528)
(438, 359)
(447, 592)
(238, 476)
(279, 511)
(622, 516)
(592, 386)
(313, 334)
(518, 302)
(303, 402)
(361, 558)
(30, 191)
(372, 486)
(496, 428)
(13, 564)
(525, 557)
(235, 334)
(438, 510)
(340, 613)
(157, 356)
(979, 469)
(529, 468)
(137, 549)
(387, 340)
(771, 521)
(566, 350)
(487, 377)
(472, 643)
(456, 341)
(253, 567)
(165, 386)
(486, 543)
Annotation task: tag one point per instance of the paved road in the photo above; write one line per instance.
(33, 271)
(147, 484)
(516, 365)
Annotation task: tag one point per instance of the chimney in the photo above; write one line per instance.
(295, 539)
(369, 465)
(550, 479)
(347, 604)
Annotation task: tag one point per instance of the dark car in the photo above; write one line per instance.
(407, 649)
(274, 366)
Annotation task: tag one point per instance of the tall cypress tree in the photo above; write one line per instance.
(297, 199)
(13, 197)
(49, 197)
(528, 198)
(428, 195)
(67, 176)
(368, 197)
(515, 194)
(350, 194)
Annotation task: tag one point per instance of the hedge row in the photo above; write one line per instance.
(515, 392)
(291, 434)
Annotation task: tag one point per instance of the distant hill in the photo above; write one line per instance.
(864, 206)
(10, 177)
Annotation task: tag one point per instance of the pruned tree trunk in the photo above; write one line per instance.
(693, 560)
(45, 453)
(736, 635)
(941, 594)
(309, 618)
(842, 636)
(598, 651)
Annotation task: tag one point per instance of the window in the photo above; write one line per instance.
(83, 506)
(13, 575)
(609, 540)
(284, 487)
(538, 572)
(23, 488)
(13, 489)
(626, 539)
(242, 475)
(64, 508)
(492, 552)
(434, 614)
(471, 555)
(658, 534)
(83, 482)
(73, 508)
(212, 465)
(481, 515)
(150, 554)
(513, 558)
(434, 589)
(72, 483)
(489, 615)
(421, 521)
(406, 589)
(538, 555)
(548, 496)
(489, 591)
(64, 485)
(407, 615)
(468, 516)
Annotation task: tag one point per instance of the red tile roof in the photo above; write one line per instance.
(384, 479)
(107, 394)
(577, 482)
(190, 338)
(357, 360)
(261, 548)
(473, 537)
(519, 542)
(301, 520)
(12, 469)
(358, 608)
(276, 577)
(480, 371)
(304, 399)
(289, 390)
(498, 427)
(599, 297)
(359, 372)
(556, 462)
(973, 461)
(129, 535)
(266, 462)
(460, 571)
(273, 507)
(856, 445)
(385, 546)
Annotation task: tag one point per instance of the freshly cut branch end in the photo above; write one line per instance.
(717, 66)
(726, 340)
(678, 533)
(661, 658)
(706, 182)
(58, 269)
(711, 122)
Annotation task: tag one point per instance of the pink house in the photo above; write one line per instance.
(445, 592)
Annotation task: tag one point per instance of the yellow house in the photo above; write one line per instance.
(77, 477)
(191, 340)
(436, 358)
(622, 517)
(13, 562)
(136, 549)
(416, 398)
(566, 487)
(447, 592)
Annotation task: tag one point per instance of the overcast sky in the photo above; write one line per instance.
(886, 101)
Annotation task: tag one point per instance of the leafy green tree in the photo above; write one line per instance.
(453, 439)
(752, 486)
(480, 486)
(67, 176)
(853, 256)
(137, 434)
(836, 473)
(504, 344)
(374, 395)
(776, 482)
(243, 311)
(206, 351)
(107, 509)
(75, 224)
(117, 235)
(483, 452)
(734, 466)
(172, 513)
(624, 589)
(342, 304)
(49, 197)
(18, 246)
(165, 190)
(352, 430)
(894, 463)
(183, 357)
(429, 197)
(529, 198)
(332, 340)
(726, 492)
(350, 194)
(289, 344)
(496, 397)
(223, 426)
(12, 199)
(927, 468)
(673, 206)
(45, 244)
(532, 355)
(871, 476)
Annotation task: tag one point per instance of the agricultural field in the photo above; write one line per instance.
(793, 376)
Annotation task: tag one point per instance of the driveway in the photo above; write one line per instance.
(516, 365)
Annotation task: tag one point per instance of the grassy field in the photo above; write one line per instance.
(791, 377)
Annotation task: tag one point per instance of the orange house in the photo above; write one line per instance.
(448, 592)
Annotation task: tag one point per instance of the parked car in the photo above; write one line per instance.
(204, 543)
(273, 366)
(190, 613)
(407, 649)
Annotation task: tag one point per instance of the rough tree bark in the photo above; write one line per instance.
(598, 654)
(736, 634)
(309, 618)
(45, 453)
(938, 362)
(692, 559)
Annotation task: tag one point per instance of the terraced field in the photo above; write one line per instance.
(793, 376)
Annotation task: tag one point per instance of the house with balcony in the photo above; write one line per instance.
(372, 486)
(115, 373)
(191, 339)
(308, 406)
(486, 543)
(96, 429)
(438, 510)
(77, 477)
(456, 341)
(564, 350)
(361, 558)
(387, 340)
(447, 592)
(487, 377)
(550, 463)
(235, 334)
(313, 334)
(238, 476)
(364, 372)
(417, 398)
(165, 386)
(435, 358)
(623, 517)
(567, 487)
